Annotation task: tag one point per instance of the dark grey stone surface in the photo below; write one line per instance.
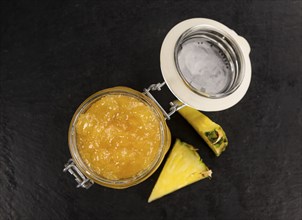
(55, 54)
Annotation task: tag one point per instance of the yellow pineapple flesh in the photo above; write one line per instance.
(183, 167)
(211, 132)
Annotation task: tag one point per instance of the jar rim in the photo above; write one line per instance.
(87, 171)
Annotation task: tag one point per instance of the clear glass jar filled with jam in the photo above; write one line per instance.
(118, 136)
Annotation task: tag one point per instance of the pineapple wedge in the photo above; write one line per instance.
(212, 133)
(182, 168)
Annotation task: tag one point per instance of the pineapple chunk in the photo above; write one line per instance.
(212, 133)
(182, 168)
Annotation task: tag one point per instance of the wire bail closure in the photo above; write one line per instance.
(174, 106)
(80, 178)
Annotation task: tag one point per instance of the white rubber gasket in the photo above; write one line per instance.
(176, 83)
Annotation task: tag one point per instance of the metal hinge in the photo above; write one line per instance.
(174, 106)
(81, 179)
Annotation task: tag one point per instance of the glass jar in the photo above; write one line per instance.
(205, 65)
(87, 176)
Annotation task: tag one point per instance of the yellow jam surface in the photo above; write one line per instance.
(118, 136)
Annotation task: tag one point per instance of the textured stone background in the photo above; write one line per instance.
(55, 54)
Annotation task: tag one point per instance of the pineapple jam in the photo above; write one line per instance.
(118, 136)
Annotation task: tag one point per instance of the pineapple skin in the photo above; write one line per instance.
(183, 167)
(206, 128)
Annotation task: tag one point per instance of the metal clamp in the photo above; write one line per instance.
(81, 179)
(174, 106)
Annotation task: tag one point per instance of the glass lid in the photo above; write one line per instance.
(205, 64)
